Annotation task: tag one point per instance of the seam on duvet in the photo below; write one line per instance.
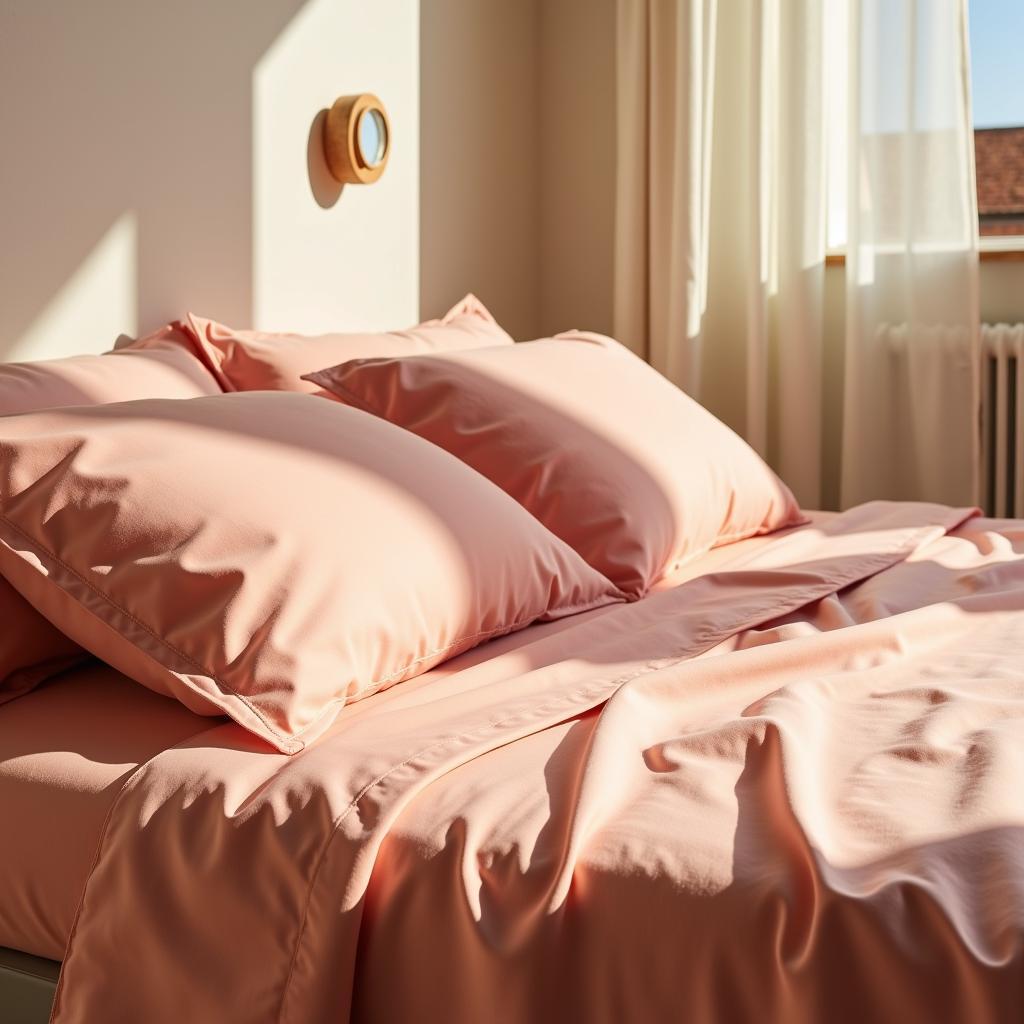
(802, 596)
(287, 738)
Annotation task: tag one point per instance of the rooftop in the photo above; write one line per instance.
(999, 160)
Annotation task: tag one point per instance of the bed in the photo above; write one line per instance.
(783, 784)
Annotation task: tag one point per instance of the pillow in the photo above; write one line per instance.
(269, 556)
(32, 650)
(258, 361)
(160, 366)
(602, 449)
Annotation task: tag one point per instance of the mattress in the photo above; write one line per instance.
(786, 786)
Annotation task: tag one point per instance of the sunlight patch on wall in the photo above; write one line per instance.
(350, 261)
(95, 305)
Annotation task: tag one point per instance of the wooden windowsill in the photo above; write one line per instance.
(838, 259)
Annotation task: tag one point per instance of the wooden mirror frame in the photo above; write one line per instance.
(341, 146)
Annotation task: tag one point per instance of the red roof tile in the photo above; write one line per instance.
(999, 159)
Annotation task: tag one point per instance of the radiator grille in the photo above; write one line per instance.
(1002, 424)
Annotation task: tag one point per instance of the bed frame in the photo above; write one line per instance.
(27, 985)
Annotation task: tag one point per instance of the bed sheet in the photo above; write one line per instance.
(788, 789)
(67, 748)
(785, 787)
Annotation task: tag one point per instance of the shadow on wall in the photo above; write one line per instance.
(131, 116)
(326, 190)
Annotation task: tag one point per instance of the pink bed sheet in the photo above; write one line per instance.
(785, 789)
(66, 750)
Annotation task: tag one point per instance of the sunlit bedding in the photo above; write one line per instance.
(787, 785)
(68, 748)
(463, 727)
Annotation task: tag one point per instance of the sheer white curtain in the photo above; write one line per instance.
(727, 120)
(912, 320)
(721, 212)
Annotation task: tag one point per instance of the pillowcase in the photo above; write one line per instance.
(611, 457)
(32, 650)
(160, 366)
(266, 555)
(260, 361)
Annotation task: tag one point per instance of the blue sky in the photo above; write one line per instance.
(997, 62)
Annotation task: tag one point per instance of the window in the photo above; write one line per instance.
(997, 87)
(996, 30)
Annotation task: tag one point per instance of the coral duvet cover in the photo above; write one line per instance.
(788, 787)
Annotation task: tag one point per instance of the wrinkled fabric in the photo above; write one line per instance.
(243, 360)
(787, 789)
(66, 750)
(31, 649)
(269, 556)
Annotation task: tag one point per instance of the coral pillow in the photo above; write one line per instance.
(603, 450)
(160, 366)
(266, 555)
(258, 361)
(31, 649)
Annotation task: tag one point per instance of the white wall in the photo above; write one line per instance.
(326, 257)
(156, 158)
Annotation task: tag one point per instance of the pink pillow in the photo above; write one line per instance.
(160, 366)
(604, 451)
(258, 361)
(269, 556)
(31, 649)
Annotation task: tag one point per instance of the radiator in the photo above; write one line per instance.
(1002, 419)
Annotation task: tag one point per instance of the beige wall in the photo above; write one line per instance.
(480, 169)
(157, 159)
(518, 171)
(577, 238)
(1002, 292)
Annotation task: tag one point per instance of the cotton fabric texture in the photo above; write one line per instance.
(31, 649)
(269, 556)
(160, 366)
(785, 789)
(604, 451)
(264, 361)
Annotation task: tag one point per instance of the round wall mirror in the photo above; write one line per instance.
(357, 139)
(373, 137)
